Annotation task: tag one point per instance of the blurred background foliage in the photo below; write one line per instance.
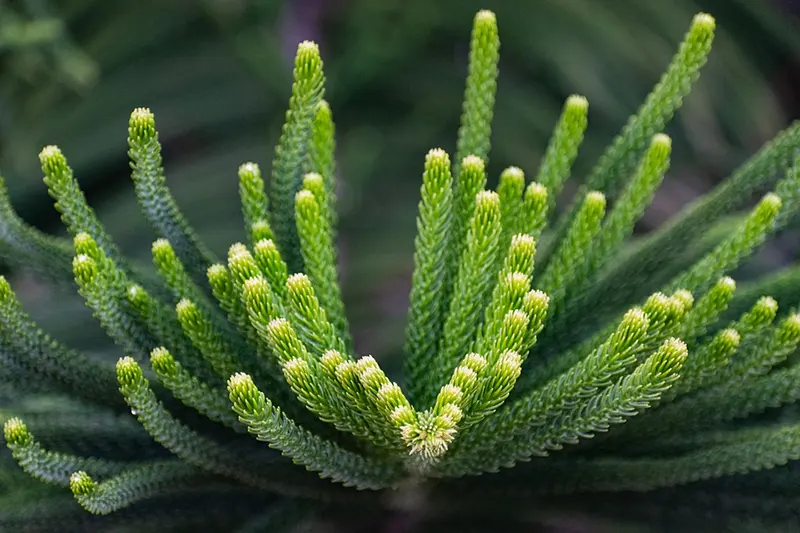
(217, 75)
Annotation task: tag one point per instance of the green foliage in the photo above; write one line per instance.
(506, 363)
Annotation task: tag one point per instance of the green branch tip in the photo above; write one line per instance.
(16, 432)
(299, 283)
(136, 294)
(703, 22)
(790, 328)
(84, 243)
(472, 163)
(513, 173)
(768, 208)
(595, 201)
(129, 372)
(162, 251)
(487, 204)
(536, 299)
(313, 181)
(437, 160)
(81, 484)
(765, 308)
(305, 199)
(6, 292)
(186, 308)
(661, 145)
(536, 193)
(670, 355)
(296, 370)
(633, 324)
(727, 284)
(577, 104)
(684, 298)
(430, 436)
(474, 362)
(163, 362)
(255, 287)
(509, 365)
(307, 49)
(729, 339)
(142, 125)
(85, 269)
(266, 247)
(485, 16)
(249, 172)
(243, 392)
(216, 272)
(53, 161)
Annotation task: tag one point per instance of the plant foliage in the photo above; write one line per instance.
(519, 361)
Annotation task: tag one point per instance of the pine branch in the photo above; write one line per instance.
(322, 160)
(255, 203)
(51, 467)
(476, 117)
(289, 164)
(707, 359)
(619, 158)
(309, 318)
(708, 309)
(426, 309)
(659, 247)
(261, 471)
(472, 287)
(24, 245)
(569, 263)
(563, 147)
(771, 448)
(510, 190)
(534, 209)
(629, 396)
(206, 400)
(76, 214)
(633, 200)
(27, 347)
(319, 255)
(272, 267)
(104, 287)
(728, 254)
(512, 285)
(269, 424)
(133, 485)
(581, 381)
(158, 205)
